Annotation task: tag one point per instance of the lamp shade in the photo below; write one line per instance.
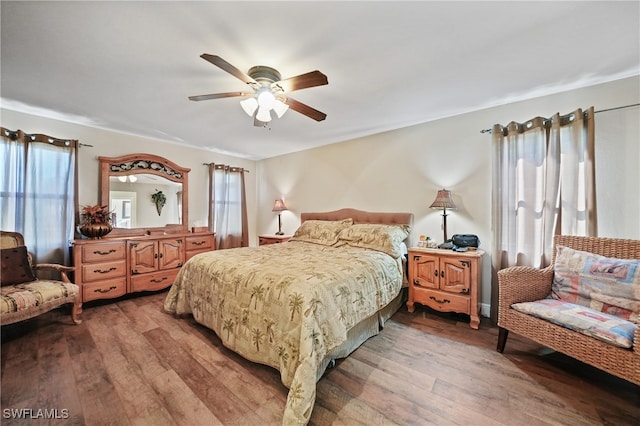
(279, 206)
(280, 107)
(249, 106)
(443, 200)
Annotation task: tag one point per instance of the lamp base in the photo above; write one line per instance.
(279, 226)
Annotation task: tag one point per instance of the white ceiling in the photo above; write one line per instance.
(130, 66)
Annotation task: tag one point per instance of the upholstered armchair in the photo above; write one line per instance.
(23, 295)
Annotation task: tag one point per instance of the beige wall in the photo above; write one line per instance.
(111, 144)
(394, 171)
(402, 170)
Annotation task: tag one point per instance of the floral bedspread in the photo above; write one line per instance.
(286, 305)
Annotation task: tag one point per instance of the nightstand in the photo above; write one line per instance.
(446, 280)
(273, 239)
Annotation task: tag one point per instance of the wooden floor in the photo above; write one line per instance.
(129, 363)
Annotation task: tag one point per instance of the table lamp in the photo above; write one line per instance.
(443, 201)
(279, 207)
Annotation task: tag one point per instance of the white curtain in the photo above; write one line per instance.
(227, 206)
(543, 185)
(38, 192)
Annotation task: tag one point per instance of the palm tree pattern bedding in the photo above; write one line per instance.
(286, 305)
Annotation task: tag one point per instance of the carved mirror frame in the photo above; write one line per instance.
(147, 164)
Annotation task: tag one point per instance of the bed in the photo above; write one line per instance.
(297, 306)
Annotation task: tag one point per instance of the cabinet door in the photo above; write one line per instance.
(171, 253)
(455, 275)
(143, 256)
(425, 270)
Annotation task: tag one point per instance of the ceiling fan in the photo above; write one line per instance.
(270, 92)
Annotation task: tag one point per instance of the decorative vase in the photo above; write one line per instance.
(159, 206)
(95, 230)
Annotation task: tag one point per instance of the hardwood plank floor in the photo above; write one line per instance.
(129, 363)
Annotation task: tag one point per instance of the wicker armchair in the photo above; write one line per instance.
(527, 284)
(30, 297)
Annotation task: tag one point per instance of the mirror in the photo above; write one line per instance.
(144, 192)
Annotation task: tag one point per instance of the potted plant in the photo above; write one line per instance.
(95, 221)
(159, 199)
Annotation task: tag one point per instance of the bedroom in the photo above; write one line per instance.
(348, 173)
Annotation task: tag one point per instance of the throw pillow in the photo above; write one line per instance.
(606, 284)
(323, 232)
(15, 267)
(385, 238)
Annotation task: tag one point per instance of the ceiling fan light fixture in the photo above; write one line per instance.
(264, 114)
(269, 91)
(249, 106)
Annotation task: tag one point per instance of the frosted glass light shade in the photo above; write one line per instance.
(280, 107)
(249, 106)
(263, 115)
(266, 99)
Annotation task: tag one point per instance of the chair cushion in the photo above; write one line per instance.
(14, 266)
(606, 284)
(608, 328)
(30, 295)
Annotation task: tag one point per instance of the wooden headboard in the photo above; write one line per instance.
(361, 216)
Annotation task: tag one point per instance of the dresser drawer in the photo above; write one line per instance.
(442, 301)
(108, 289)
(103, 252)
(103, 271)
(199, 243)
(192, 253)
(153, 281)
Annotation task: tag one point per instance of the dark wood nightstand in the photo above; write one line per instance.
(273, 239)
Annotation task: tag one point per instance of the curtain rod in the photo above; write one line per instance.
(595, 112)
(244, 170)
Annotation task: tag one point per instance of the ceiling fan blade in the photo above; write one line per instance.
(303, 81)
(305, 109)
(218, 96)
(221, 63)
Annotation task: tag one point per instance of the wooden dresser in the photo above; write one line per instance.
(112, 267)
(446, 281)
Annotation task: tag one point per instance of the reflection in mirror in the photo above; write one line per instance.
(131, 204)
(127, 184)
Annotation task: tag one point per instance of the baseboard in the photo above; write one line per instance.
(485, 310)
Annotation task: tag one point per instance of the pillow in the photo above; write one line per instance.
(385, 238)
(606, 284)
(323, 232)
(15, 267)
